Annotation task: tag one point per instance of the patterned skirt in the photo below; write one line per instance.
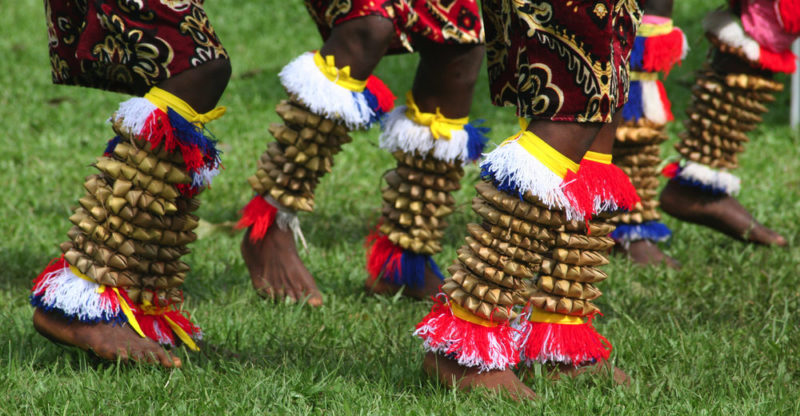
(127, 45)
(441, 21)
(560, 60)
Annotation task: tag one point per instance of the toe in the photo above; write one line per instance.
(166, 359)
(267, 293)
(315, 300)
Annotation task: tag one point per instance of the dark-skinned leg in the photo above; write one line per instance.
(720, 212)
(445, 80)
(642, 251)
(276, 270)
(600, 139)
(639, 230)
(572, 140)
(113, 341)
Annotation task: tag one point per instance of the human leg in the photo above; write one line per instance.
(116, 289)
(327, 99)
(728, 97)
(430, 138)
(532, 245)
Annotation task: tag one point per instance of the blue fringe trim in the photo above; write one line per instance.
(112, 144)
(633, 109)
(477, 139)
(190, 134)
(118, 319)
(412, 270)
(651, 230)
(637, 54)
(508, 186)
(376, 115)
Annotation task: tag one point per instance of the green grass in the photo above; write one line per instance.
(718, 337)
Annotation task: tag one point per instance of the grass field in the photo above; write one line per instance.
(719, 336)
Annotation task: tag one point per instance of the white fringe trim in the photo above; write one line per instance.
(75, 297)
(652, 106)
(498, 361)
(204, 176)
(134, 114)
(286, 219)
(686, 48)
(512, 162)
(724, 25)
(719, 179)
(604, 203)
(302, 78)
(402, 133)
(161, 334)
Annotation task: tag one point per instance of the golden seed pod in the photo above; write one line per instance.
(486, 239)
(583, 242)
(579, 257)
(640, 135)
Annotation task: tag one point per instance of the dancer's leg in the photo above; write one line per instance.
(533, 208)
(728, 98)
(442, 91)
(116, 290)
(288, 182)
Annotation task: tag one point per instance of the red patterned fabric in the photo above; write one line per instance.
(127, 45)
(441, 21)
(561, 60)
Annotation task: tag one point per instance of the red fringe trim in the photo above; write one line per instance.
(662, 93)
(384, 95)
(784, 61)
(671, 170)
(578, 194)
(54, 266)
(661, 53)
(155, 327)
(258, 214)
(607, 182)
(472, 345)
(789, 11)
(164, 334)
(158, 129)
(383, 256)
(568, 344)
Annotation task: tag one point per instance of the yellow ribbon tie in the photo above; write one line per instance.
(643, 76)
(648, 30)
(339, 76)
(538, 315)
(150, 309)
(465, 315)
(187, 340)
(543, 152)
(164, 99)
(441, 126)
(123, 304)
(604, 158)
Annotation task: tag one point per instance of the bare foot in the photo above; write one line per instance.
(449, 373)
(107, 341)
(721, 212)
(276, 269)
(646, 253)
(602, 369)
(382, 287)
